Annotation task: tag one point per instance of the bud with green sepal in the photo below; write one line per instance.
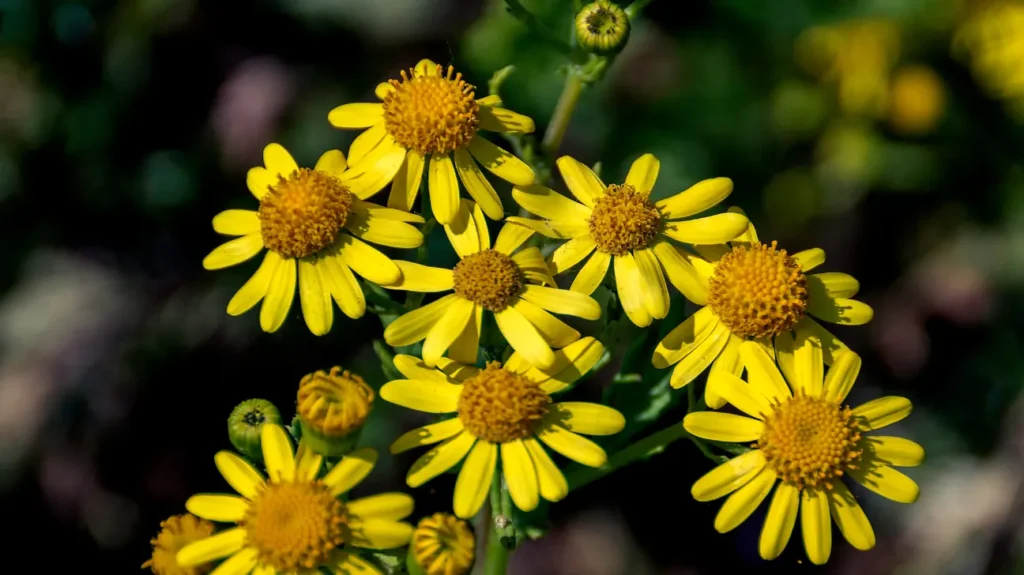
(602, 27)
(244, 425)
(332, 408)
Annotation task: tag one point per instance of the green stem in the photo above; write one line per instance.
(496, 557)
(563, 112)
(635, 8)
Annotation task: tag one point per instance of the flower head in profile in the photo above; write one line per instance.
(293, 521)
(806, 442)
(443, 544)
(618, 226)
(502, 410)
(176, 532)
(432, 116)
(313, 227)
(752, 290)
(503, 280)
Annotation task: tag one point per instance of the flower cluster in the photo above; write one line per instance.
(777, 378)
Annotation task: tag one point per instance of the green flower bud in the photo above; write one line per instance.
(332, 408)
(602, 27)
(244, 425)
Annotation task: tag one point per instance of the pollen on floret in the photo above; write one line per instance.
(623, 220)
(176, 532)
(432, 114)
(810, 442)
(303, 213)
(499, 406)
(443, 544)
(489, 279)
(757, 290)
(334, 404)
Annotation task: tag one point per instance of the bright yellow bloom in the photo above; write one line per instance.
(499, 279)
(293, 522)
(623, 228)
(991, 39)
(502, 409)
(431, 116)
(806, 442)
(311, 224)
(442, 544)
(176, 532)
(752, 290)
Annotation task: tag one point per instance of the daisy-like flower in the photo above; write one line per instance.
(292, 522)
(431, 116)
(501, 280)
(806, 442)
(502, 409)
(624, 229)
(752, 290)
(443, 544)
(176, 532)
(311, 223)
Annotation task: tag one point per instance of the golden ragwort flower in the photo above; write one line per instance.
(176, 532)
(443, 544)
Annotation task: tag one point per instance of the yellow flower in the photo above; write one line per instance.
(752, 290)
(295, 522)
(310, 222)
(176, 532)
(332, 408)
(432, 116)
(443, 545)
(507, 409)
(500, 280)
(917, 101)
(619, 224)
(991, 39)
(806, 441)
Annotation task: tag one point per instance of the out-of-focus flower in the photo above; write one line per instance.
(991, 40)
(249, 104)
(917, 100)
(176, 532)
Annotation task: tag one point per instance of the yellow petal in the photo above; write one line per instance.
(477, 185)
(429, 396)
(365, 143)
(631, 295)
(571, 363)
(727, 362)
(278, 301)
(728, 476)
(259, 180)
(575, 447)
(716, 229)
(351, 470)
(810, 259)
(463, 231)
(344, 288)
(253, 290)
(551, 482)
(333, 162)
(723, 426)
(495, 119)
(421, 278)
(236, 222)
(524, 338)
(850, 518)
(444, 332)
(474, 482)
(801, 360)
(212, 548)
(592, 274)
(356, 115)
(511, 236)
(381, 534)
(652, 283)
(343, 563)
(571, 253)
(531, 263)
(684, 338)
(501, 162)
(520, 475)
(426, 67)
(413, 367)
(779, 522)
(830, 344)
(698, 360)
(643, 173)
(581, 180)
(240, 475)
(554, 331)
(887, 482)
(744, 501)
(840, 310)
(489, 101)
(368, 261)
(466, 346)
(815, 525)
(547, 203)
(406, 185)
(427, 435)
(234, 252)
(562, 301)
(278, 453)
(223, 508)
(743, 396)
(762, 374)
(439, 459)
(374, 170)
(883, 411)
(388, 506)
(307, 462)
(895, 451)
(382, 213)
(278, 161)
(695, 199)
(241, 563)
(681, 272)
(833, 284)
(415, 325)
(587, 418)
(317, 309)
(383, 231)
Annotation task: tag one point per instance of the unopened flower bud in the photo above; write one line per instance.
(602, 27)
(442, 544)
(244, 425)
(332, 408)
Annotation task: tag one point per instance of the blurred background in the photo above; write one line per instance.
(888, 132)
